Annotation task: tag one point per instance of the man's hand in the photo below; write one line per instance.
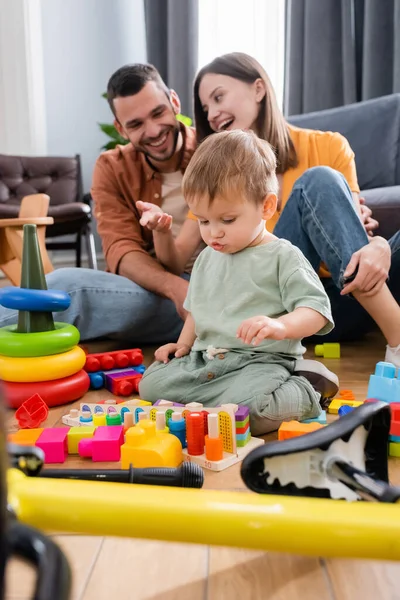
(153, 217)
(369, 223)
(163, 353)
(373, 261)
(255, 330)
(177, 293)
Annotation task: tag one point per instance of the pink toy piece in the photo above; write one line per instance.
(54, 443)
(105, 445)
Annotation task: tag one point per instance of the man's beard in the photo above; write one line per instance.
(175, 133)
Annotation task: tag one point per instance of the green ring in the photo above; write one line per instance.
(46, 343)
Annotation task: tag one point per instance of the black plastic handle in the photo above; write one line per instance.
(187, 475)
(53, 572)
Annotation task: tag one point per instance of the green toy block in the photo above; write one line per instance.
(394, 449)
(32, 278)
(242, 443)
(327, 350)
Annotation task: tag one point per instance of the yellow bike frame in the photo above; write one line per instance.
(275, 523)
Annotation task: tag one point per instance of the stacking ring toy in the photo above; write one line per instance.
(61, 339)
(42, 368)
(54, 393)
(34, 300)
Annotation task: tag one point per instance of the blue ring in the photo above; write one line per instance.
(34, 300)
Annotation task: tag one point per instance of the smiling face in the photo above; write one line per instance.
(148, 120)
(230, 103)
(231, 226)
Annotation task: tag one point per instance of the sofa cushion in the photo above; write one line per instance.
(373, 131)
(385, 205)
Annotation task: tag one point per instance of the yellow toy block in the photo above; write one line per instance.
(334, 406)
(290, 429)
(146, 447)
(76, 434)
(327, 350)
(25, 437)
(394, 449)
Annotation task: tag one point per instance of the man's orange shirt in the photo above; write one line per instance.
(315, 149)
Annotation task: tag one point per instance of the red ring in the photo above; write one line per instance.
(54, 393)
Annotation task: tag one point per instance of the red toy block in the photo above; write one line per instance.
(54, 443)
(104, 361)
(123, 384)
(32, 412)
(105, 445)
(244, 429)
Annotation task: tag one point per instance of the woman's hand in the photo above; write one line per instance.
(163, 353)
(369, 223)
(373, 262)
(256, 329)
(153, 217)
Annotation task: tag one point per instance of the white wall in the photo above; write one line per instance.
(84, 42)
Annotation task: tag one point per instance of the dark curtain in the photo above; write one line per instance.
(339, 52)
(172, 39)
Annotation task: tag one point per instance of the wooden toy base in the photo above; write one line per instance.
(227, 461)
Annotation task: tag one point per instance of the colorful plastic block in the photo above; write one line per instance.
(242, 413)
(105, 445)
(96, 380)
(394, 449)
(53, 442)
(244, 429)
(290, 429)
(76, 434)
(327, 350)
(383, 384)
(146, 447)
(347, 395)
(25, 437)
(334, 406)
(345, 410)
(32, 413)
(243, 439)
(162, 402)
(124, 383)
(320, 419)
(105, 361)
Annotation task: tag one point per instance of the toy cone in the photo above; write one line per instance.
(32, 277)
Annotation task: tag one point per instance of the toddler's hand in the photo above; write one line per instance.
(153, 217)
(163, 353)
(255, 330)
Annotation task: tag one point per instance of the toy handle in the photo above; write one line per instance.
(363, 483)
(53, 571)
(187, 475)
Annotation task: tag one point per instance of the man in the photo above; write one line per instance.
(137, 299)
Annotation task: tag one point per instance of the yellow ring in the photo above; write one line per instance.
(42, 368)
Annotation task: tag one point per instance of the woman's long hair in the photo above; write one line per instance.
(270, 124)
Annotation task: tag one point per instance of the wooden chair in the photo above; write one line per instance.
(33, 210)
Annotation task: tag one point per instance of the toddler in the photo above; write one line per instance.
(252, 297)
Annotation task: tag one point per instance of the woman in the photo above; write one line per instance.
(319, 206)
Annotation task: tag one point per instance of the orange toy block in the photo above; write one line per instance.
(347, 394)
(290, 429)
(25, 437)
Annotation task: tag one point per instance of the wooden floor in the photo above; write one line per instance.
(106, 568)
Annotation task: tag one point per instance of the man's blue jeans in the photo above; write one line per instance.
(319, 218)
